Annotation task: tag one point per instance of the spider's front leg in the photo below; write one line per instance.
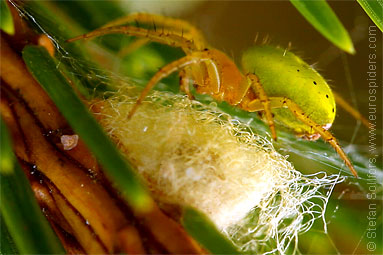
(152, 35)
(165, 30)
(185, 81)
(158, 22)
(284, 102)
(177, 65)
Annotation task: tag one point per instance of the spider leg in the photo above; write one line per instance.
(185, 83)
(194, 58)
(280, 102)
(260, 92)
(156, 36)
(179, 26)
(351, 110)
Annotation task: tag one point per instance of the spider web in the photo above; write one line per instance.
(302, 153)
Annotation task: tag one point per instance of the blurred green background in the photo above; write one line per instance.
(231, 26)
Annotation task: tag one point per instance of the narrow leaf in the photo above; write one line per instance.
(43, 68)
(7, 245)
(22, 216)
(374, 9)
(6, 21)
(322, 17)
(205, 232)
(7, 157)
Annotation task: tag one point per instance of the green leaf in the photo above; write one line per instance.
(7, 157)
(322, 17)
(26, 224)
(7, 245)
(205, 232)
(374, 9)
(43, 68)
(6, 21)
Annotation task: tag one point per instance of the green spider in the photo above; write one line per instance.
(275, 81)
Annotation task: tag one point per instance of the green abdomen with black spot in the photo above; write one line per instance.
(283, 74)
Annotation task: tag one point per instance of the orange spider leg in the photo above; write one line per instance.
(184, 75)
(205, 77)
(351, 110)
(260, 92)
(194, 58)
(182, 27)
(280, 102)
(156, 36)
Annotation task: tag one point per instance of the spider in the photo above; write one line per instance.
(275, 82)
